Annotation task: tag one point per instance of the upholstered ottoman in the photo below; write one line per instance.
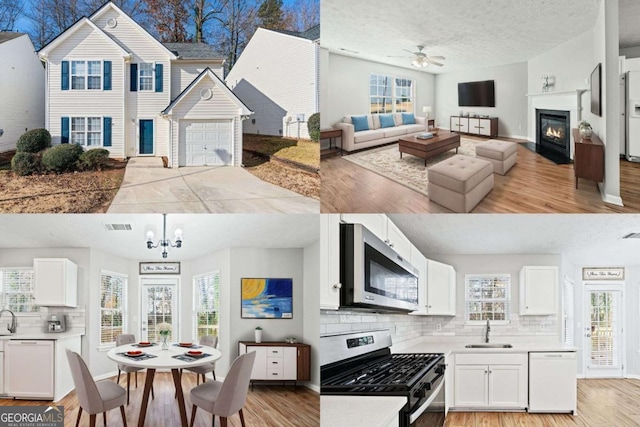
(460, 182)
(501, 153)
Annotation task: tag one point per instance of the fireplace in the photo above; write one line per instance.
(553, 135)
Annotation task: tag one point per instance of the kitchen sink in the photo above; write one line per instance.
(488, 346)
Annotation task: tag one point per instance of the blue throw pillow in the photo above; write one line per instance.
(408, 119)
(360, 123)
(386, 121)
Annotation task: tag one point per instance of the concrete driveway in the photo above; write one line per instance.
(148, 187)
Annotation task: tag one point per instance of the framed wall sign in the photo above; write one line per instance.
(267, 298)
(159, 268)
(603, 273)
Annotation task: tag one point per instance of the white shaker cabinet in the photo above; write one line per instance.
(375, 223)
(538, 290)
(330, 262)
(398, 241)
(441, 289)
(56, 282)
(420, 263)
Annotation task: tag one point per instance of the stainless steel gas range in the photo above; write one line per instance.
(361, 364)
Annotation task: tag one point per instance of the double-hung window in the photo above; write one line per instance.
(17, 290)
(86, 131)
(146, 77)
(86, 75)
(113, 288)
(487, 297)
(388, 94)
(403, 95)
(206, 303)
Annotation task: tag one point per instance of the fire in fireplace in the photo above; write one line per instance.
(553, 135)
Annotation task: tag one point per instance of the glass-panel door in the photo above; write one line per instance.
(159, 305)
(603, 338)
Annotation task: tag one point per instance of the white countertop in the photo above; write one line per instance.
(359, 411)
(43, 335)
(449, 347)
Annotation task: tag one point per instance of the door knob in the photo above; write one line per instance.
(588, 335)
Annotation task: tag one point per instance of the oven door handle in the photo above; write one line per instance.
(416, 414)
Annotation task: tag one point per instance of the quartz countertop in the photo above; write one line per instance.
(457, 347)
(359, 411)
(43, 335)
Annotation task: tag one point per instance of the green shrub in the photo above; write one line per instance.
(314, 127)
(25, 164)
(34, 141)
(61, 158)
(94, 159)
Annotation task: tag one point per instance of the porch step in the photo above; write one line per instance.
(145, 162)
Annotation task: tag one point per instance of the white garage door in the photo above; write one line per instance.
(205, 142)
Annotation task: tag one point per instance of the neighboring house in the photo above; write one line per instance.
(21, 88)
(111, 84)
(277, 77)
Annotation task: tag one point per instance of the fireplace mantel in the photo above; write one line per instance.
(577, 92)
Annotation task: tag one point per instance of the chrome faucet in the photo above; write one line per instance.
(486, 337)
(13, 326)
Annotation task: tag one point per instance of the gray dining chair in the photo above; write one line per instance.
(124, 339)
(94, 397)
(225, 398)
(209, 341)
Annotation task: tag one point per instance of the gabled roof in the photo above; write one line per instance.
(312, 33)
(72, 29)
(219, 83)
(110, 5)
(9, 35)
(194, 51)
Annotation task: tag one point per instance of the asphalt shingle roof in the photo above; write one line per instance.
(8, 35)
(312, 33)
(193, 50)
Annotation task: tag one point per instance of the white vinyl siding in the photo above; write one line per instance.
(284, 85)
(182, 74)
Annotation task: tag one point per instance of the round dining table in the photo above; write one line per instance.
(163, 359)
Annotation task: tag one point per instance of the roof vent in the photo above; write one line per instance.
(632, 236)
(118, 227)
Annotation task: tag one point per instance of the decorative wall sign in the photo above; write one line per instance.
(267, 298)
(159, 268)
(605, 273)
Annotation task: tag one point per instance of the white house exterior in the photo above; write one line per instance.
(277, 77)
(111, 84)
(22, 88)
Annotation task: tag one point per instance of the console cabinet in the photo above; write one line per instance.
(588, 158)
(278, 361)
(56, 282)
(483, 126)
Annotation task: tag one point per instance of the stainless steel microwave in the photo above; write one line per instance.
(372, 274)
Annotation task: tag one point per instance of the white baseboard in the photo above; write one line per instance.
(313, 387)
(632, 377)
(580, 376)
(516, 137)
(105, 376)
(607, 198)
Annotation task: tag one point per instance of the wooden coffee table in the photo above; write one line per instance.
(428, 148)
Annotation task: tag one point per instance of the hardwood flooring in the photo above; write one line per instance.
(600, 403)
(533, 185)
(269, 406)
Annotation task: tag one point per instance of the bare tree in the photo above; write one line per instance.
(169, 18)
(304, 14)
(41, 31)
(235, 26)
(205, 11)
(10, 10)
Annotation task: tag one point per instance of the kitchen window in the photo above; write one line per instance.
(86, 75)
(86, 131)
(17, 290)
(390, 94)
(206, 303)
(146, 77)
(113, 288)
(487, 297)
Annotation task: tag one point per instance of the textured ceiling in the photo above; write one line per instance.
(594, 239)
(202, 234)
(469, 33)
(629, 18)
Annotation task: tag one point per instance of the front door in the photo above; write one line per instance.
(146, 137)
(159, 305)
(604, 333)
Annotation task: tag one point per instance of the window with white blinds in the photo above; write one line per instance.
(206, 303)
(567, 313)
(17, 290)
(487, 297)
(113, 290)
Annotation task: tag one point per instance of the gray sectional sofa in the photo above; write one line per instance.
(377, 135)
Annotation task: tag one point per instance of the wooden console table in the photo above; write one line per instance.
(331, 135)
(279, 361)
(588, 161)
(483, 126)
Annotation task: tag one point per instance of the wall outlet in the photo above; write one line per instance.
(438, 327)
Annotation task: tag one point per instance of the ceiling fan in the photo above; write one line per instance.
(421, 59)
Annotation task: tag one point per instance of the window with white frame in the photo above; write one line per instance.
(487, 297)
(86, 75)
(568, 312)
(206, 303)
(86, 131)
(17, 290)
(113, 288)
(146, 77)
(388, 94)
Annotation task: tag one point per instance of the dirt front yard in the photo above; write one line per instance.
(79, 192)
(288, 163)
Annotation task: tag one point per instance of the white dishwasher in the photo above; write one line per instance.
(553, 385)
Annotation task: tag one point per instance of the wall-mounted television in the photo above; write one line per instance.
(596, 91)
(477, 94)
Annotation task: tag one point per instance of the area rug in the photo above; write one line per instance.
(408, 171)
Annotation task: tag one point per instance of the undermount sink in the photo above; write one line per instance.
(488, 346)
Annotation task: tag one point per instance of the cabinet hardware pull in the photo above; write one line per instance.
(486, 372)
(28, 342)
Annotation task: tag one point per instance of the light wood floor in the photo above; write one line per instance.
(600, 403)
(533, 185)
(266, 406)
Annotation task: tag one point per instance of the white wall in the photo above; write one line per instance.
(630, 52)
(511, 103)
(347, 86)
(311, 327)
